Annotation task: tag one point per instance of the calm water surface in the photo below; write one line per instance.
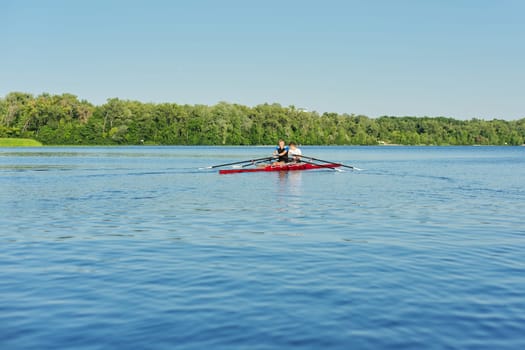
(135, 247)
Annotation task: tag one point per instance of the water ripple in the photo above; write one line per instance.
(137, 248)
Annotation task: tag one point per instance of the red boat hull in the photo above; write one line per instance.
(286, 167)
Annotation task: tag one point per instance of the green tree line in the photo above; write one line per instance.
(66, 120)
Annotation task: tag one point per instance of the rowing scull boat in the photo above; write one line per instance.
(285, 167)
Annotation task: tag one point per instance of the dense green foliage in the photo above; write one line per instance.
(63, 119)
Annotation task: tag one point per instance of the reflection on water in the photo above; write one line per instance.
(289, 199)
(290, 182)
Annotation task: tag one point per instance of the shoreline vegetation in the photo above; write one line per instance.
(65, 120)
(18, 142)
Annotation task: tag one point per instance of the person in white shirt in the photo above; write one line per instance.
(294, 153)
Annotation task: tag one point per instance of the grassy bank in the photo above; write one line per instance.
(12, 142)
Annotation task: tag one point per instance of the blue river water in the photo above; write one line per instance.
(138, 248)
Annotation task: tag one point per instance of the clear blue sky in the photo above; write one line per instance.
(457, 58)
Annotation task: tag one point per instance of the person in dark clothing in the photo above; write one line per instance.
(281, 152)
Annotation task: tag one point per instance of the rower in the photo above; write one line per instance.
(281, 152)
(294, 153)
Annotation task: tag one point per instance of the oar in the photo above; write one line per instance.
(323, 166)
(326, 161)
(240, 162)
(256, 162)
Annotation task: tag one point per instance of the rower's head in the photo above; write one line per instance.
(281, 143)
(292, 144)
